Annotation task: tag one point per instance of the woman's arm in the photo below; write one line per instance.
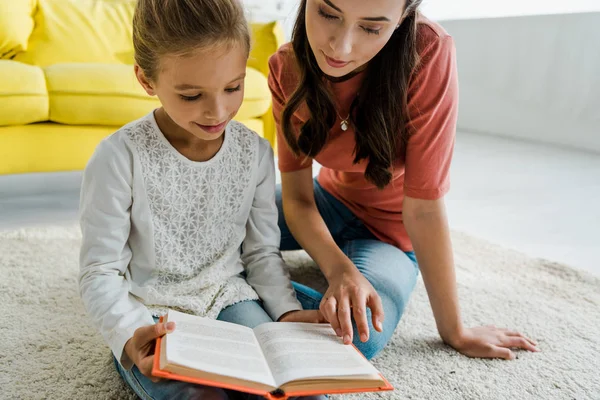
(349, 291)
(307, 225)
(427, 226)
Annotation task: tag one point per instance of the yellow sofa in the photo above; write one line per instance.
(67, 81)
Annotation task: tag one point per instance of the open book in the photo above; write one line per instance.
(275, 360)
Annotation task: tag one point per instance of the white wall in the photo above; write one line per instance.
(462, 9)
(535, 77)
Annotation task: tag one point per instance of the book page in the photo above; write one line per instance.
(216, 347)
(300, 351)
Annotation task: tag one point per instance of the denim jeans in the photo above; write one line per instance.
(391, 271)
(247, 313)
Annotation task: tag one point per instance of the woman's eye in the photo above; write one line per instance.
(325, 15)
(371, 31)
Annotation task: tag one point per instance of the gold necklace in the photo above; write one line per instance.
(344, 124)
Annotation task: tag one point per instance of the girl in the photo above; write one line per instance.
(369, 90)
(169, 200)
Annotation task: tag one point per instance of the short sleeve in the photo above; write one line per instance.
(433, 110)
(287, 160)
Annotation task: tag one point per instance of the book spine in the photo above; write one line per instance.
(277, 394)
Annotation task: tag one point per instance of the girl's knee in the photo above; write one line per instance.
(202, 393)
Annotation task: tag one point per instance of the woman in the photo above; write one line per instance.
(369, 90)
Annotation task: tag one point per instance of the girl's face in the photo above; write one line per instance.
(201, 92)
(345, 35)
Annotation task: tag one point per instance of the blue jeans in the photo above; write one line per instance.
(391, 271)
(247, 313)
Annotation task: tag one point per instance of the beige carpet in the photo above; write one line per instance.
(49, 351)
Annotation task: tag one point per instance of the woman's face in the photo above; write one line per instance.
(345, 35)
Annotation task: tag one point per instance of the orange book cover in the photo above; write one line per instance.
(275, 395)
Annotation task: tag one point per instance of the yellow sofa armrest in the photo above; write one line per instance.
(23, 94)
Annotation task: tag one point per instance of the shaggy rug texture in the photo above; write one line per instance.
(48, 349)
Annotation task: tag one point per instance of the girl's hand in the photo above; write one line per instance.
(491, 342)
(348, 295)
(310, 316)
(140, 348)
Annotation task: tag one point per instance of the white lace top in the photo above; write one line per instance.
(161, 231)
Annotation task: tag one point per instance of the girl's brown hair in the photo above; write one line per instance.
(167, 27)
(380, 111)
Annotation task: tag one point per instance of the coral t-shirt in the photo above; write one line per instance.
(424, 171)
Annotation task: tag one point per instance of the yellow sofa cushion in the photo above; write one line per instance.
(257, 97)
(266, 39)
(115, 20)
(23, 95)
(109, 94)
(16, 24)
(96, 94)
(69, 31)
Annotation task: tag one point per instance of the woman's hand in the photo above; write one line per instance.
(348, 295)
(310, 316)
(491, 342)
(140, 348)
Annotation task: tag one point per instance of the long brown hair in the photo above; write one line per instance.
(162, 27)
(380, 111)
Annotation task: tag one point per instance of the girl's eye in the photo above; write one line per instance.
(325, 15)
(371, 31)
(235, 89)
(190, 98)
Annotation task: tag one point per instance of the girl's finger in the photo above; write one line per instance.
(145, 367)
(320, 317)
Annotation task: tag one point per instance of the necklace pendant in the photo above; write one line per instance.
(344, 125)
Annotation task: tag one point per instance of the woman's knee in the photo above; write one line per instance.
(373, 346)
(393, 309)
(396, 278)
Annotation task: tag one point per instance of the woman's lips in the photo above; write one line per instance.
(335, 63)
